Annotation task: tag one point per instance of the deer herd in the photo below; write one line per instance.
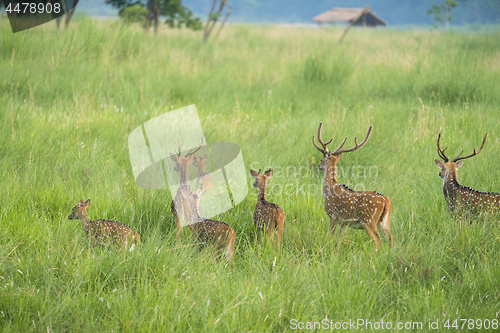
(366, 210)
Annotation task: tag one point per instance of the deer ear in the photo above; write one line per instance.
(269, 173)
(205, 157)
(338, 157)
(173, 157)
(87, 203)
(459, 163)
(253, 173)
(439, 164)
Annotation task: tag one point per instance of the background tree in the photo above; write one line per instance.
(213, 17)
(442, 12)
(180, 16)
(177, 14)
(135, 13)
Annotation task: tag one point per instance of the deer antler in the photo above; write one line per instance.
(458, 158)
(339, 150)
(192, 152)
(179, 145)
(441, 151)
(323, 150)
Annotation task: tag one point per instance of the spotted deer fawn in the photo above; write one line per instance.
(102, 232)
(462, 199)
(210, 232)
(204, 180)
(180, 205)
(346, 207)
(267, 217)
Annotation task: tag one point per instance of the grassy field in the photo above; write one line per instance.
(69, 100)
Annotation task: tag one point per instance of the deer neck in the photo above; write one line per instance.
(450, 185)
(184, 179)
(330, 177)
(200, 169)
(262, 192)
(195, 214)
(85, 220)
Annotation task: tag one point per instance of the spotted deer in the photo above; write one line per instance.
(204, 180)
(267, 217)
(102, 232)
(346, 207)
(462, 200)
(180, 206)
(208, 232)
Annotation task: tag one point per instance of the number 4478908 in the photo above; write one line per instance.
(33, 8)
(471, 324)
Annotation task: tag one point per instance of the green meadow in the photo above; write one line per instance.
(70, 98)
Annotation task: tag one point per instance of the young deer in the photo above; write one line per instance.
(210, 232)
(267, 216)
(180, 206)
(101, 232)
(204, 179)
(346, 207)
(462, 199)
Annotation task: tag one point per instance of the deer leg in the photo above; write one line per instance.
(179, 229)
(386, 216)
(371, 230)
(93, 241)
(217, 254)
(333, 224)
(178, 226)
(259, 235)
(230, 252)
(388, 235)
(270, 231)
(342, 229)
(279, 233)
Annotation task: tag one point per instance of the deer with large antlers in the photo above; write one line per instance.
(346, 207)
(180, 206)
(462, 199)
(102, 232)
(268, 217)
(213, 233)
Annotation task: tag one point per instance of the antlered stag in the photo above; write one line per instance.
(346, 207)
(462, 200)
(180, 205)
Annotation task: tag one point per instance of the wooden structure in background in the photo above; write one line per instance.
(354, 16)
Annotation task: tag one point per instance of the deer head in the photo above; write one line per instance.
(199, 160)
(79, 209)
(182, 162)
(448, 166)
(332, 158)
(261, 179)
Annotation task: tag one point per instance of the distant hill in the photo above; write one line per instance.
(394, 12)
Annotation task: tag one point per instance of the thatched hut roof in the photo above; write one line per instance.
(335, 15)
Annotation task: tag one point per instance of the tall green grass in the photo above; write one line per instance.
(69, 99)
